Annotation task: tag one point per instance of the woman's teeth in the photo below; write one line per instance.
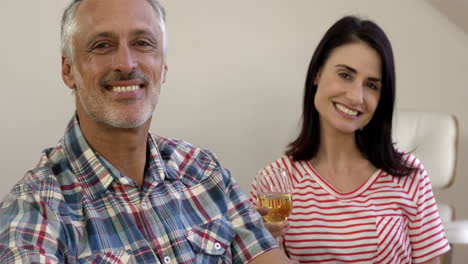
(346, 110)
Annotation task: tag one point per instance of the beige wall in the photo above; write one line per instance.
(236, 74)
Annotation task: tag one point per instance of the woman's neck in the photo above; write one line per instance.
(340, 163)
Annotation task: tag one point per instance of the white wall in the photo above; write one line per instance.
(236, 74)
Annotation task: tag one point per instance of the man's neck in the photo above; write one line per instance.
(124, 148)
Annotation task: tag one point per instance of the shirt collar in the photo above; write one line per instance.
(95, 174)
(156, 167)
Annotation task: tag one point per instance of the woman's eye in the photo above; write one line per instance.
(344, 75)
(372, 86)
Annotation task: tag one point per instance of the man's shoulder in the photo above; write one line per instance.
(49, 159)
(45, 180)
(179, 149)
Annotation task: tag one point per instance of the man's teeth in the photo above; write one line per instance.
(346, 110)
(120, 89)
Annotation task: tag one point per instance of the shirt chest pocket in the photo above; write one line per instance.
(393, 240)
(213, 238)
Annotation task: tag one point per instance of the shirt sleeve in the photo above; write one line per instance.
(252, 238)
(426, 231)
(28, 229)
(253, 193)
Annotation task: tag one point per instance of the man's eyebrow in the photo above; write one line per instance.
(103, 35)
(139, 32)
(351, 69)
(146, 33)
(99, 35)
(108, 34)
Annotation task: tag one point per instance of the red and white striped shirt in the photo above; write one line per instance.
(386, 220)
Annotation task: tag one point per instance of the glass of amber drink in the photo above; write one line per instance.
(274, 192)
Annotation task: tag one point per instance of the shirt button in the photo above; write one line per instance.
(144, 206)
(167, 259)
(217, 246)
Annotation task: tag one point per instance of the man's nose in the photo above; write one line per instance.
(124, 60)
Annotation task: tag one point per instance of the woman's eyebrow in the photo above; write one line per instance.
(351, 69)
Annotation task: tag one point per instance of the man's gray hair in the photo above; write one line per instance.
(68, 26)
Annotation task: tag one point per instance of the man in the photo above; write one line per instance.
(110, 192)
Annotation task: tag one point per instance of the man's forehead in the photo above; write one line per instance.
(109, 10)
(110, 16)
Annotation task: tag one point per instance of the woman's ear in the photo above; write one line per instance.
(317, 77)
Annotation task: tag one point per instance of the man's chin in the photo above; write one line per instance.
(127, 124)
(122, 121)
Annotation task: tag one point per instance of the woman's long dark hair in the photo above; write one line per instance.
(375, 140)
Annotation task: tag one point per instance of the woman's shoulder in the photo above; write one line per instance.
(295, 169)
(411, 161)
(282, 162)
(418, 172)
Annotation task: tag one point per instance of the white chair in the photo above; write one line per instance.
(433, 138)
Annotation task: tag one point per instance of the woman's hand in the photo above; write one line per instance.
(276, 229)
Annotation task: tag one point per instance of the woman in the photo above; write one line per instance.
(356, 198)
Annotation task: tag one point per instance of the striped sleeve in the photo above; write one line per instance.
(426, 231)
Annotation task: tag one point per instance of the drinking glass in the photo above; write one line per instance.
(274, 192)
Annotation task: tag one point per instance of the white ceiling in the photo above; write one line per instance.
(455, 10)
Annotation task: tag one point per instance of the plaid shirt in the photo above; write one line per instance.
(75, 207)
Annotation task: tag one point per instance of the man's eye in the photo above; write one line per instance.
(101, 46)
(142, 43)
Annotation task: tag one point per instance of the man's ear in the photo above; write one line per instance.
(67, 74)
(163, 75)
